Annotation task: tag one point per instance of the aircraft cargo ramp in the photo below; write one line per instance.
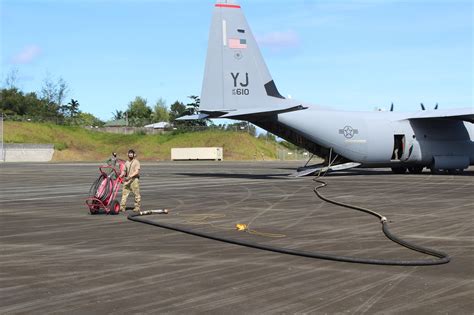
(57, 258)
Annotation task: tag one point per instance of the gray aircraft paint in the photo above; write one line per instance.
(231, 71)
(237, 84)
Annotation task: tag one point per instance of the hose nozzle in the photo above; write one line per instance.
(157, 211)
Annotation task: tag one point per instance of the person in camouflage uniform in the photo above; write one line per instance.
(131, 177)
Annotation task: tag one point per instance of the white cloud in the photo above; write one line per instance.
(27, 55)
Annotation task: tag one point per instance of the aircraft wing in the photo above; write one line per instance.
(465, 114)
(262, 111)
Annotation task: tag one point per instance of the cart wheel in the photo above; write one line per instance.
(114, 207)
(94, 208)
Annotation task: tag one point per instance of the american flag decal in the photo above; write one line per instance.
(237, 43)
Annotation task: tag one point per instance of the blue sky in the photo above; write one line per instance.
(353, 55)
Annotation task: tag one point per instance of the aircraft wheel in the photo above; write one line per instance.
(416, 169)
(437, 171)
(399, 170)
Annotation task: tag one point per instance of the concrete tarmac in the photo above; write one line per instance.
(57, 258)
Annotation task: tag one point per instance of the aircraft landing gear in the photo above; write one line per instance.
(416, 169)
(451, 171)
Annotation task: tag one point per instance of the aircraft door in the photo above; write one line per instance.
(398, 147)
(413, 151)
(406, 148)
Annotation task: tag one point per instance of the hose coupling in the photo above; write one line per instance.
(383, 220)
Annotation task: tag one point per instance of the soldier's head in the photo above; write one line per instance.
(131, 154)
(114, 154)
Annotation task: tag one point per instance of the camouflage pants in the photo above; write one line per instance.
(132, 187)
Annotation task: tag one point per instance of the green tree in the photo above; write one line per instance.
(160, 111)
(177, 109)
(139, 113)
(46, 107)
(87, 119)
(54, 92)
(62, 90)
(118, 114)
(37, 108)
(11, 102)
(14, 102)
(11, 79)
(71, 109)
(192, 108)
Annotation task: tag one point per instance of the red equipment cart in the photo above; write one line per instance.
(103, 192)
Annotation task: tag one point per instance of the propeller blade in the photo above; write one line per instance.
(391, 108)
(422, 106)
(436, 107)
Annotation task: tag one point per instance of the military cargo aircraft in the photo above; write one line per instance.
(238, 85)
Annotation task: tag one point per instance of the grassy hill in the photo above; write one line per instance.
(79, 144)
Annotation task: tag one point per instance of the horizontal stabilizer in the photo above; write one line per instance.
(236, 114)
(262, 111)
(193, 117)
(312, 170)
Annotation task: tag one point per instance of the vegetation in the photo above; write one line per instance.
(139, 113)
(45, 117)
(73, 143)
(46, 106)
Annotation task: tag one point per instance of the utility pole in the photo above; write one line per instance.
(2, 150)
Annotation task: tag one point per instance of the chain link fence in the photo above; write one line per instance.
(292, 155)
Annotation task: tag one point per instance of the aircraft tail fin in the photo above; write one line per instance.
(236, 76)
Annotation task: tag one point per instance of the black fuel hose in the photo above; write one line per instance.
(105, 193)
(443, 258)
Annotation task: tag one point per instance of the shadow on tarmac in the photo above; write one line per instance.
(354, 172)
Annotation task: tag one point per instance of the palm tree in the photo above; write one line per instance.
(118, 114)
(73, 108)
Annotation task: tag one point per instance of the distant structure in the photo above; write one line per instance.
(162, 125)
(28, 152)
(116, 123)
(203, 154)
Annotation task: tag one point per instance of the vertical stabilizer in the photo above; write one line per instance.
(236, 76)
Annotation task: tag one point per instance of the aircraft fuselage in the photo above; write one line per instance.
(385, 138)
